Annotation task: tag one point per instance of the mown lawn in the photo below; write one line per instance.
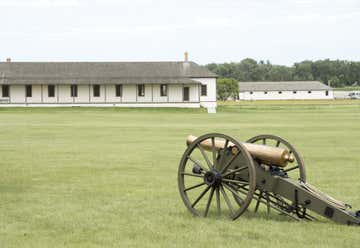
(85, 177)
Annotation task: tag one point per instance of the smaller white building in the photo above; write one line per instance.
(289, 90)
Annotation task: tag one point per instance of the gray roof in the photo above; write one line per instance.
(283, 86)
(101, 72)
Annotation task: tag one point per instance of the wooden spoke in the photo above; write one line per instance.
(196, 162)
(233, 191)
(218, 200)
(222, 156)
(213, 152)
(200, 196)
(205, 156)
(277, 208)
(230, 162)
(194, 187)
(258, 201)
(234, 180)
(226, 144)
(267, 202)
(226, 198)
(209, 202)
(242, 190)
(264, 141)
(191, 174)
(235, 171)
(278, 143)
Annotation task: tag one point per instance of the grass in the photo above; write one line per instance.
(85, 177)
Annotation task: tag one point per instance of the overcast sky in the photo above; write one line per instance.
(282, 31)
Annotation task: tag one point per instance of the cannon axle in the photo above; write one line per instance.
(213, 178)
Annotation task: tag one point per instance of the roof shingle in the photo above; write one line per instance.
(283, 86)
(101, 72)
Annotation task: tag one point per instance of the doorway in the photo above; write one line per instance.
(186, 94)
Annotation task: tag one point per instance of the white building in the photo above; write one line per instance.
(121, 84)
(291, 90)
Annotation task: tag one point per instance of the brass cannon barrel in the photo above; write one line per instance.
(266, 154)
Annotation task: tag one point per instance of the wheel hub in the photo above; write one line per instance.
(212, 178)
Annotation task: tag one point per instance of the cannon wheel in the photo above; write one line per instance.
(272, 140)
(217, 176)
(297, 168)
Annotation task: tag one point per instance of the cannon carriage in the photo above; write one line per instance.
(219, 175)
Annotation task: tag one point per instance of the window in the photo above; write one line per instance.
(163, 90)
(326, 93)
(118, 90)
(203, 90)
(74, 90)
(294, 92)
(5, 90)
(251, 92)
(96, 90)
(280, 92)
(141, 90)
(265, 92)
(309, 92)
(28, 89)
(51, 90)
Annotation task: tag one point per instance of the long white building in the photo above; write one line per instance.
(121, 84)
(300, 90)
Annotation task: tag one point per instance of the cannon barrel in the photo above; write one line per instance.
(266, 154)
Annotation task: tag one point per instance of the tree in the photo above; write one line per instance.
(335, 82)
(227, 88)
(338, 72)
(303, 71)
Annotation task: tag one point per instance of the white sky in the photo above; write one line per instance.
(283, 31)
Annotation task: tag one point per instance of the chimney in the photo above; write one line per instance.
(8, 60)
(186, 55)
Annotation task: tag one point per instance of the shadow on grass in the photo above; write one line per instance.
(251, 215)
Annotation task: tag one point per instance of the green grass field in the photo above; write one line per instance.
(86, 177)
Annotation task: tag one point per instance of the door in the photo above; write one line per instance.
(186, 94)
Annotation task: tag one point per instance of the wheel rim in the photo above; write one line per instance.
(207, 178)
(297, 168)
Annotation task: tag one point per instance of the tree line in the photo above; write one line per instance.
(336, 73)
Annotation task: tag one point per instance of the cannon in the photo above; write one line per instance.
(220, 176)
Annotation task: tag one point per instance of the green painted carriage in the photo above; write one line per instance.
(219, 175)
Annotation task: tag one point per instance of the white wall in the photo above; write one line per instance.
(36, 94)
(285, 95)
(46, 97)
(147, 97)
(157, 96)
(100, 98)
(82, 94)
(135, 105)
(130, 94)
(111, 94)
(194, 92)
(341, 94)
(175, 93)
(208, 101)
(17, 93)
(64, 94)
